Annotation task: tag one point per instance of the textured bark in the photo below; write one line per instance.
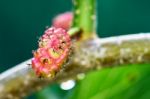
(90, 55)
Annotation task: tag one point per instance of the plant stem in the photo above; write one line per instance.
(85, 17)
(91, 55)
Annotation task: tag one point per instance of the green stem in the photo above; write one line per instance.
(85, 17)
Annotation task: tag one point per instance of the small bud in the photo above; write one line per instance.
(53, 51)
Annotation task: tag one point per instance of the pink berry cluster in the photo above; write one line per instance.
(53, 51)
(63, 20)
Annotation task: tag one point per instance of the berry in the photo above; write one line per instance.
(63, 20)
(53, 51)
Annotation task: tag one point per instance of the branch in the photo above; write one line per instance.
(20, 81)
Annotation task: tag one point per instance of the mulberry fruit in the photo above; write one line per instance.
(53, 51)
(63, 20)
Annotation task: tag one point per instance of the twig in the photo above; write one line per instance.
(20, 81)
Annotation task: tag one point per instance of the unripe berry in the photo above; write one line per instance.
(63, 20)
(53, 51)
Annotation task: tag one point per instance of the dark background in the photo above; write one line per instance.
(23, 21)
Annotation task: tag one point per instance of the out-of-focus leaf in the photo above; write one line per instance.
(52, 92)
(127, 82)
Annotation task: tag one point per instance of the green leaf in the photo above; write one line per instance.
(127, 82)
(52, 92)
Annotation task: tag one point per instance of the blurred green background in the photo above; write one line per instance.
(23, 21)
